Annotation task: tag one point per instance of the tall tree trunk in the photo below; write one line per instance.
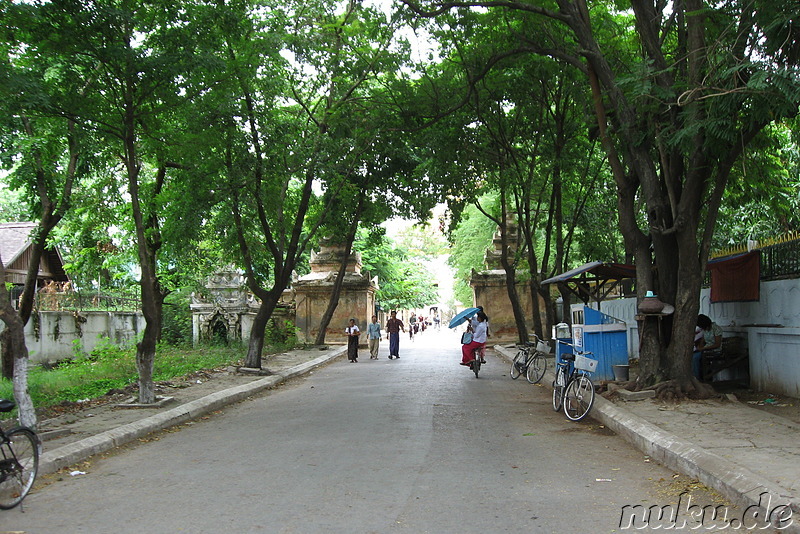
(339, 282)
(7, 353)
(545, 291)
(255, 346)
(282, 272)
(52, 211)
(516, 306)
(336, 292)
(148, 242)
(14, 337)
(510, 267)
(566, 297)
(549, 310)
(535, 288)
(152, 307)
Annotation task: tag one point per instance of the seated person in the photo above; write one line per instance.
(479, 331)
(708, 338)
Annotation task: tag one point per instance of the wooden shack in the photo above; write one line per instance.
(16, 243)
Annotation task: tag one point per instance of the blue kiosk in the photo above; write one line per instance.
(605, 337)
(593, 331)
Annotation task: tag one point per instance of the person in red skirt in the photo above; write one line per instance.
(479, 330)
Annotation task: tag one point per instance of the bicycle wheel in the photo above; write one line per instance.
(518, 364)
(18, 466)
(558, 388)
(476, 365)
(536, 368)
(578, 398)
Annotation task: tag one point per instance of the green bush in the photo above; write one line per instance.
(280, 335)
(176, 321)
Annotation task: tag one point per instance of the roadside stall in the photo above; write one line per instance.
(592, 330)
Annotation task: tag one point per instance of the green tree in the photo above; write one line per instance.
(46, 153)
(12, 206)
(307, 81)
(402, 284)
(136, 65)
(763, 198)
(519, 131)
(678, 95)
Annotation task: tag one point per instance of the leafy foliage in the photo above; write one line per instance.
(470, 240)
(177, 319)
(403, 282)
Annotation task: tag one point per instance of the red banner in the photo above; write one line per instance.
(736, 279)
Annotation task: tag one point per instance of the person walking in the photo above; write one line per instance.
(412, 326)
(393, 327)
(352, 332)
(374, 337)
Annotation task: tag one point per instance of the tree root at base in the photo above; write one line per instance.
(681, 389)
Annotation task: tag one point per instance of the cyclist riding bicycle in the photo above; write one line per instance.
(479, 331)
(473, 323)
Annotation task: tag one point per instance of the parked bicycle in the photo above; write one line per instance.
(573, 390)
(530, 360)
(19, 461)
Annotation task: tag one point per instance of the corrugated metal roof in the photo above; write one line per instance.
(14, 239)
(599, 271)
(15, 244)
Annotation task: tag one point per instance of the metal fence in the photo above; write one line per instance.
(781, 261)
(780, 257)
(87, 301)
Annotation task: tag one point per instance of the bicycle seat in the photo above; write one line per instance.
(568, 357)
(6, 405)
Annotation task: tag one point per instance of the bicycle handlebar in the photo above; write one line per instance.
(576, 349)
(528, 344)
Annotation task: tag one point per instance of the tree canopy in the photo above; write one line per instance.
(202, 134)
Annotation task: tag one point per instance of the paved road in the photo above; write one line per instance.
(411, 445)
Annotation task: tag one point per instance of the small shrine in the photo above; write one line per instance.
(312, 292)
(223, 313)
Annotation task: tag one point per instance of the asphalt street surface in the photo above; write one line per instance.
(410, 445)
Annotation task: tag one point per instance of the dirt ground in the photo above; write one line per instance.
(72, 421)
(775, 404)
(781, 405)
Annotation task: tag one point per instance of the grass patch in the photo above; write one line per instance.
(107, 367)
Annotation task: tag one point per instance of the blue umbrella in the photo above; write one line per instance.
(463, 316)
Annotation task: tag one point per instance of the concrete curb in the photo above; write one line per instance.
(52, 461)
(737, 483)
(743, 487)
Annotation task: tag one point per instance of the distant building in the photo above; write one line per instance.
(16, 245)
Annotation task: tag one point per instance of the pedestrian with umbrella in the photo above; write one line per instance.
(473, 324)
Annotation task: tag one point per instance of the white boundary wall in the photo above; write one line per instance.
(61, 331)
(771, 327)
